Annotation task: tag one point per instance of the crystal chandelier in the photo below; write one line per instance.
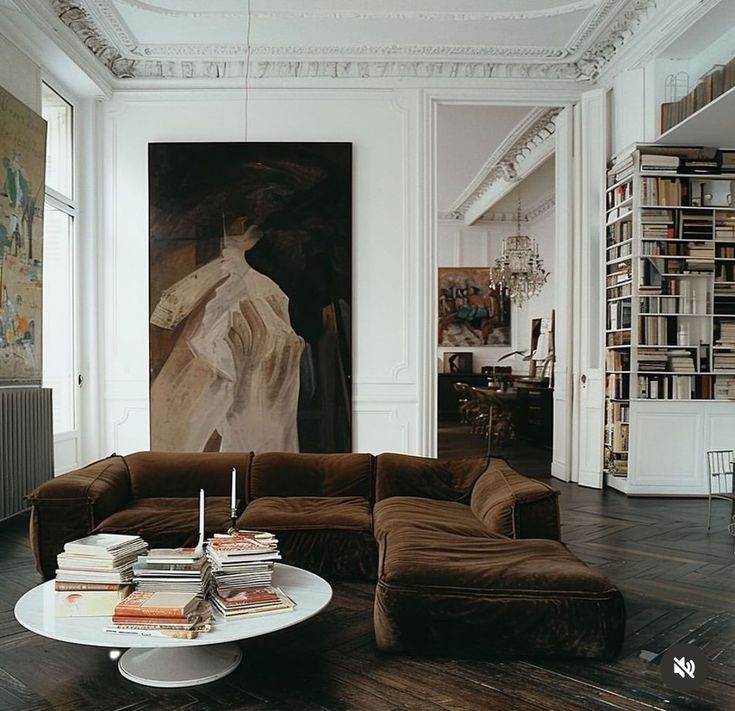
(519, 269)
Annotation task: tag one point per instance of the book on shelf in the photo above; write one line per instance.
(665, 387)
(617, 360)
(664, 191)
(724, 388)
(656, 162)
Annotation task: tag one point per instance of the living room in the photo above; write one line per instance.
(405, 285)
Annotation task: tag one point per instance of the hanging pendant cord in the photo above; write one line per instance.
(247, 68)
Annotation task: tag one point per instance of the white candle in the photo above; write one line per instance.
(201, 514)
(234, 480)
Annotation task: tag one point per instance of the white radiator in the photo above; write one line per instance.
(26, 445)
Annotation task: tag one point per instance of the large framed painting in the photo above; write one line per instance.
(471, 312)
(250, 296)
(22, 171)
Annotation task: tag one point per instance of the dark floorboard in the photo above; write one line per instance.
(678, 583)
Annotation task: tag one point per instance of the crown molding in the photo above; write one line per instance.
(105, 34)
(524, 148)
(537, 210)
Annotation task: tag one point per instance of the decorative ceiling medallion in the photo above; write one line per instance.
(103, 31)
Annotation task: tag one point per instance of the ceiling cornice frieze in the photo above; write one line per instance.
(104, 32)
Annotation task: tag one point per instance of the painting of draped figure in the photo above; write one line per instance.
(250, 296)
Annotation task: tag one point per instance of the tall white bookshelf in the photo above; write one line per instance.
(670, 314)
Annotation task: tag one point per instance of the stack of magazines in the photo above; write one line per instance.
(161, 614)
(173, 570)
(94, 573)
(242, 570)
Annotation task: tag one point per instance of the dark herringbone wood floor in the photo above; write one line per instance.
(679, 585)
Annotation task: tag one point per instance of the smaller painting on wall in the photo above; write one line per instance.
(457, 362)
(22, 171)
(471, 312)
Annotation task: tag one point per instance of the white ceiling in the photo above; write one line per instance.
(466, 137)
(157, 26)
(185, 38)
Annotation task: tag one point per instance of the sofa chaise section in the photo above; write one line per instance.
(484, 574)
(447, 594)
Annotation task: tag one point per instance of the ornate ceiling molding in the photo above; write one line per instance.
(533, 213)
(535, 129)
(104, 32)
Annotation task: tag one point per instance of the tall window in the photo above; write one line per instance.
(58, 260)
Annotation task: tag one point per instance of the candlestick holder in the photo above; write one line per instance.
(233, 522)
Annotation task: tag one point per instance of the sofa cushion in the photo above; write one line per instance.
(288, 474)
(330, 536)
(403, 515)
(307, 513)
(444, 479)
(168, 522)
(454, 595)
(518, 507)
(179, 474)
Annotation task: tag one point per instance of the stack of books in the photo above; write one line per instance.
(161, 614)
(681, 361)
(242, 572)
(724, 360)
(652, 361)
(700, 257)
(727, 334)
(94, 573)
(184, 570)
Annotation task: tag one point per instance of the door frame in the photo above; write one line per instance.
(564, 244)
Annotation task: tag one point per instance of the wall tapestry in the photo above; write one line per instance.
(250, 296)
(23, 159)
(471, 313)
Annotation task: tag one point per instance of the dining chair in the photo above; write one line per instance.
(719, 479)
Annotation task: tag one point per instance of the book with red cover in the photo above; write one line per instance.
(252, 596)
(157, 604)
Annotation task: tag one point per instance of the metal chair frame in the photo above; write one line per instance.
(719, 468)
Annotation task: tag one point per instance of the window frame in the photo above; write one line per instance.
(68, 204)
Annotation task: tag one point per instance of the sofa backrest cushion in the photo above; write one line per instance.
(514, 505)
(182, 474)
(289, 474)
(443, 479)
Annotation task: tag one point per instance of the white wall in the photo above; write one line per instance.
(479, 245)
(20, 75)
(383, 127)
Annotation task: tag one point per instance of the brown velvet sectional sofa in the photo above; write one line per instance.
(466, 553)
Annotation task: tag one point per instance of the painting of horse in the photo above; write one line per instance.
(471, 311)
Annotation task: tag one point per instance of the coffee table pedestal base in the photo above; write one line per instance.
(171, 667)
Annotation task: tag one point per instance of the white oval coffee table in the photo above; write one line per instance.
(165, 662)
